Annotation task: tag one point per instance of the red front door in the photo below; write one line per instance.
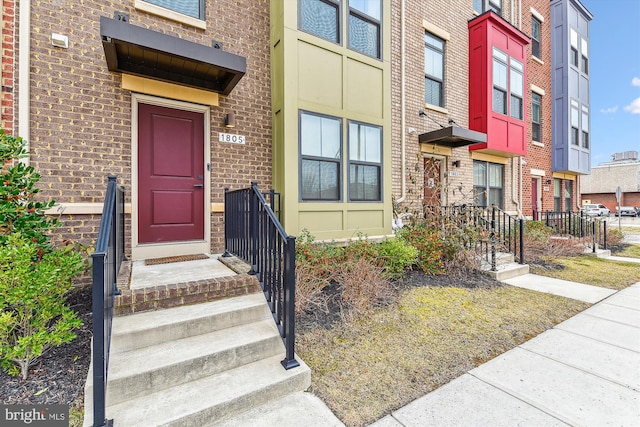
(170, 174)
(534, 199)
(432, 184)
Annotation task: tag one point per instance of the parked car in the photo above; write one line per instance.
(628, 211)
(595, 209)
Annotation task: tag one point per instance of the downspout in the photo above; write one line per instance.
(24, 67)
(403, 113)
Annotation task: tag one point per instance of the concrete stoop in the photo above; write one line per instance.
(506, 267)
(195, 365)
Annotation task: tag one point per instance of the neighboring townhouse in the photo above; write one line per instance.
(172, 97)
(475, 120)
(459, 98)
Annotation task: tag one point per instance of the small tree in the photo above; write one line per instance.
(33, 314)
(34, 276)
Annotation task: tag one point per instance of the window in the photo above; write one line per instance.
(321, 155)
(535, 37)
(365, 160)
(193, 8)
(433, 70)
(585, 57)
(488, 183)
(481, 6)
(575, 124)
(568, 191)
(557, 195)
(320, 18)
(499, 81)
(574, 48)
(536, 107)
(585, 127)
(364, 26)
(517, 89)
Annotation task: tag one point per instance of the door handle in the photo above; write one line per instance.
(198, 185)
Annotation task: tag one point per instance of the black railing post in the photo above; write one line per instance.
(546, 220)
(493, 239)
(289, 303)
(604, 225)
(521, 241)
(253, 228)
(99, 353)
(593, 229)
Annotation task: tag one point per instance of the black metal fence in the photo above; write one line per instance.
(576, 224)
(107, 259)
(253, 233)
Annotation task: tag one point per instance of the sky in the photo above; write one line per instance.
(614, 77)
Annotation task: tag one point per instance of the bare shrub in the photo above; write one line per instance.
(309, 286)
(362, 287)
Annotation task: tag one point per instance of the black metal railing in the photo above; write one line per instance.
(253, 233)
(503, 232)
(576, 224)
(107, 259)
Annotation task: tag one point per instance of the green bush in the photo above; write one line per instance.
(20, 211)
(33, 314)
(428, 244)
(395, 256)
(537, 230)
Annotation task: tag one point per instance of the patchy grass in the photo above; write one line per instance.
(366, 368)
(630, 251)
(594, 271)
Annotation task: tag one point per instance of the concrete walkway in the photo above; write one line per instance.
(585, 371)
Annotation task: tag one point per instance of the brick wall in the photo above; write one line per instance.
(81, 118)
(8, 52)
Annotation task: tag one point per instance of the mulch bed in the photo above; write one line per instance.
(59, 376)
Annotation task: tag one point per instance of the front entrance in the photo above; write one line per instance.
(535, 198)
(432, 181)
(171, 182)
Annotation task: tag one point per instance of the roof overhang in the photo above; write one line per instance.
(452, 136)
(135, 50)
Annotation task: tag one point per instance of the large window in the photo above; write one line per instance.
(364, 26)
(575, 123)
(517, 89)
(500, 83)
(585, 56)
(488, 183)
(568, 200)
(433, 70)
(557, 195)
(320, 18)
(535, 37)
(321, 157)
(536, 109)
(585, 127)
(573, 57)
(481, 6)
(365, 161)
(193, 8)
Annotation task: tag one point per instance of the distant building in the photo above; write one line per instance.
(622, 171)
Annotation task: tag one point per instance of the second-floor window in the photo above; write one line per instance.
(364, 26)
(517, 89)
(535, 37)
(193, 8)
(481, 6)
(536, 109)
(585, 127)
(320, 18)
(500, 83)
(575, 124)
(585, 57)
(573, 57)
(433, 70)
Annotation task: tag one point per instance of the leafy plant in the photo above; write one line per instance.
(20, 211)
(428, 244)
(395, 256)
(33, 314)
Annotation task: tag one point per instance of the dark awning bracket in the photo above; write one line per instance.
(135, 50)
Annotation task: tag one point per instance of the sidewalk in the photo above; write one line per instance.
(584, 371)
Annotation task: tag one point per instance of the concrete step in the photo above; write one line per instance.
(147, 370)
(153, 327)
(502, 258)
(209, 400)
(507, 271)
